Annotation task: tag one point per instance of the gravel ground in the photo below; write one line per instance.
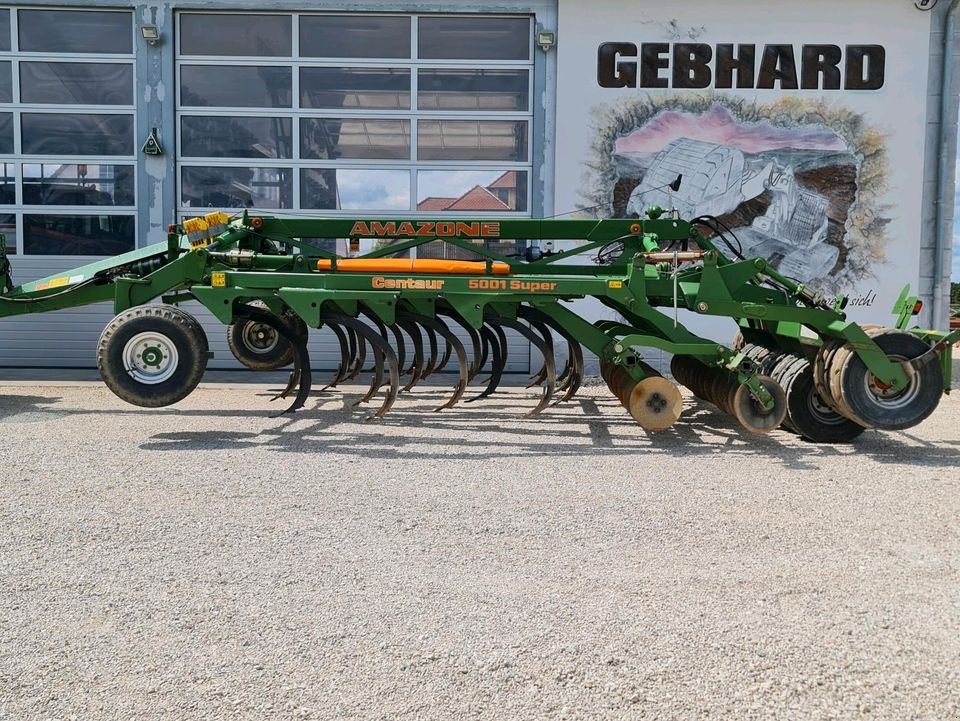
(209, 561)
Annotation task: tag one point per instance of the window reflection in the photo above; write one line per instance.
(209, 187)
(77, 83)
(78, 234)
(78, 184)
(474, 38)
(465, 191)
(354, 36)
(472, 140)
(87, 134)
(8, 227)
(481, 90)
(235, 137)
(219, 34)
(75, 31)
(6, 82)
(355, 189)
(8, 184)
(370, 88)
(354, 138)
(236, 86)
(6, 133)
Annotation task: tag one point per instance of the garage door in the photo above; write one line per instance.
(67, 187)
(356, 115)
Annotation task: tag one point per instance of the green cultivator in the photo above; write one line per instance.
(796, 361)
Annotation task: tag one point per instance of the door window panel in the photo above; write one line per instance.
(76, 83)
(56, 184)
(6, 133)
(235, 86)
(502, 140)
(6, 82)
(8, 184)
(354, 138)
(78, 234)
(77, 134)
(355, 189)
(232, 35)
(466, 191)
(8, 227)
(75, 31)
(4, 30)
(480, 90)
(235, 137)
(354, 36)
(474, 38)
(226, 187)
(350, 88)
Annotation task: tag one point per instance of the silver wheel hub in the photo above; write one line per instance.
(150, 358)
(260, 338)
(890, 397)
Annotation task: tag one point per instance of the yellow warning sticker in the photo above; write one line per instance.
(218, 280)
(58, 282)
(615, 283)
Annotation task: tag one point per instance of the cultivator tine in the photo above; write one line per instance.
(344, 356)
(434, 347)
(538, 377)
(570, 380)
(301, 376)
(358, 355)
(416, 370)
(382, 353)
(548, 361)
(498, 359)
(454, 344)
(475, 342)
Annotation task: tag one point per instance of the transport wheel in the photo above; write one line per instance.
(874, 405)
(752, 415)
(152, 355)
(655, 403)
(258, 346)
(809, 415)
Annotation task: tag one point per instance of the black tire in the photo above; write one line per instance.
(873, 407)
(136, 338)
(809, 415)
(261, 348)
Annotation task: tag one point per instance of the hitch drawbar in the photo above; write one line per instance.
(436, 295)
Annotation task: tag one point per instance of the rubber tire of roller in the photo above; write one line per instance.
(655, 403)
(180, 328)
(280, 356)
(806, 419)
(867, 409)
(748, 412)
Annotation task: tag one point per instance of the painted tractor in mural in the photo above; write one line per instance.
(717, 179)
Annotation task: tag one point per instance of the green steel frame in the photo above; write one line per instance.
(267, 259)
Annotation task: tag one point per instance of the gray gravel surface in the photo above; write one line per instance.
(208, 561)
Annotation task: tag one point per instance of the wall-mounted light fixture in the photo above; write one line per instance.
(150, 33)
(546, 40)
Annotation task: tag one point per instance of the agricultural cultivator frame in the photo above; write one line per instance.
(795, 361)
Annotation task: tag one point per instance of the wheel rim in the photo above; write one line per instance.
(260, 338)
(822, 411)
(887, 397)
(150, 358)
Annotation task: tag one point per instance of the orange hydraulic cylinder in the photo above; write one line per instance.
(432, 266)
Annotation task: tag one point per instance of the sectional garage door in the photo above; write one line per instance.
(289, 113)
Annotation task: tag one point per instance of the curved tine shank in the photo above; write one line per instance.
(484, 348)
(453, 343)
(498, 360)
(382, 352)
(361, 356)
(474, 341)
(301, 375)
(574, 367)
(548, 361)
(416, 370)
(541, 328)
(344, 356)
(380, 326)
(431, 365)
